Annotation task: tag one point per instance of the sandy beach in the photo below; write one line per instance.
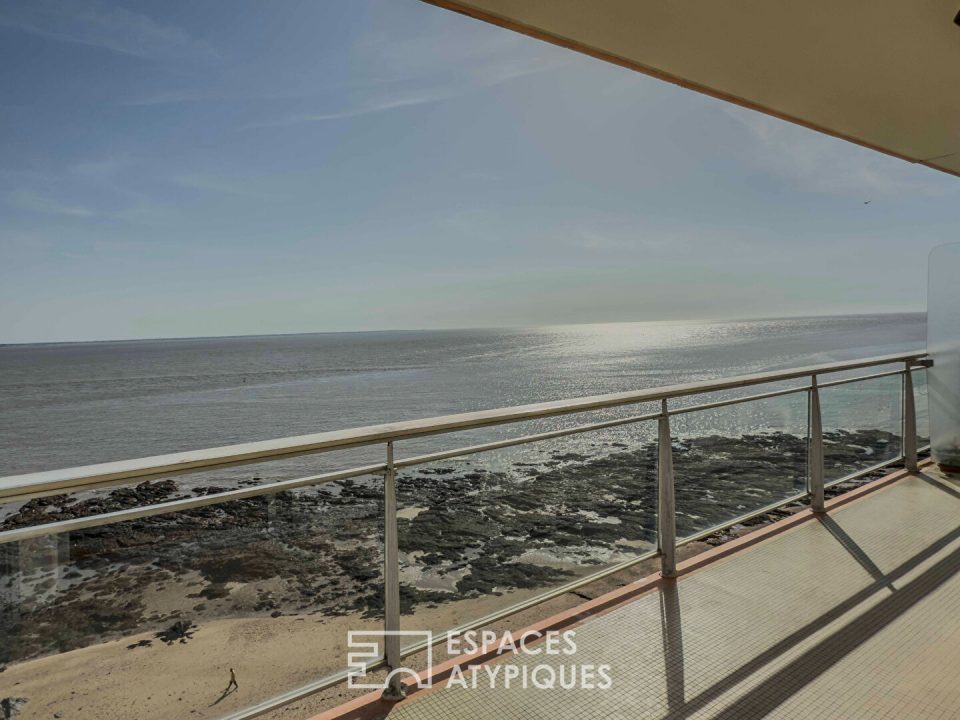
(143, 676)
(146, 618)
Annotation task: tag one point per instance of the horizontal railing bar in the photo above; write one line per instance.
(471, 450)
(97, 487)
(735, 401)
(181, 505)
(10, 494)
(118, 516)
(860, 378)
(523, 440)
(192, 461)
(527, 604)
(299, 694)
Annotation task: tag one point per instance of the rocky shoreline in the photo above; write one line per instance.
(465, 531)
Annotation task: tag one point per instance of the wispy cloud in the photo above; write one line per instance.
(400, 45)
(245, 93)
(92, 23)
(107, 185)
(221, 185)
(818, 163)
(411, 65)
(369, 106)
(33, 202)
(498, 71)
(378, 102)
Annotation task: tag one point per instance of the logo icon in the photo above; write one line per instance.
(364, 648)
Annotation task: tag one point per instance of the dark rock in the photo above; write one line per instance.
(480, 529)
(180, 631)
(11, 706)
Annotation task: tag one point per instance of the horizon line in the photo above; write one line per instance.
(447, 329)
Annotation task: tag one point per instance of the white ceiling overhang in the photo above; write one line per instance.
(881, 73)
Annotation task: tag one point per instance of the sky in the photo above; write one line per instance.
(230, 167)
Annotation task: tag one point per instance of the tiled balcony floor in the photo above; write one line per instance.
(853, 615)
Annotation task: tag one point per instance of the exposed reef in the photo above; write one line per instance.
(464, 531)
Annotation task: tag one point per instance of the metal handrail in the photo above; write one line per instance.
(78, 478)
(84, 478)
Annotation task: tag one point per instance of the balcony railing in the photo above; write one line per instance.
(93, 477)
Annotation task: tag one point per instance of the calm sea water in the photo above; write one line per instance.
(80, 403)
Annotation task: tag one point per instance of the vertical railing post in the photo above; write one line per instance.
(391, 580)
(909, 422)
(815, 454)
(666, 507)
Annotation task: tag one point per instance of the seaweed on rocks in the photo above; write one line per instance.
(475, 531)
(487, 575)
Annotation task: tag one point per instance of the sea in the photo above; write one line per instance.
(70, 404)
(472, 527)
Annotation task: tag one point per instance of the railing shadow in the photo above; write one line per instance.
(855, 551)
(797, 674)
(784, 683)
(671, 632)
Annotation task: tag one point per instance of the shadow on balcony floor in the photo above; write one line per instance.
(855, 614)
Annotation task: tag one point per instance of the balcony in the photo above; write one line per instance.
(123, 589)
(848, 614)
